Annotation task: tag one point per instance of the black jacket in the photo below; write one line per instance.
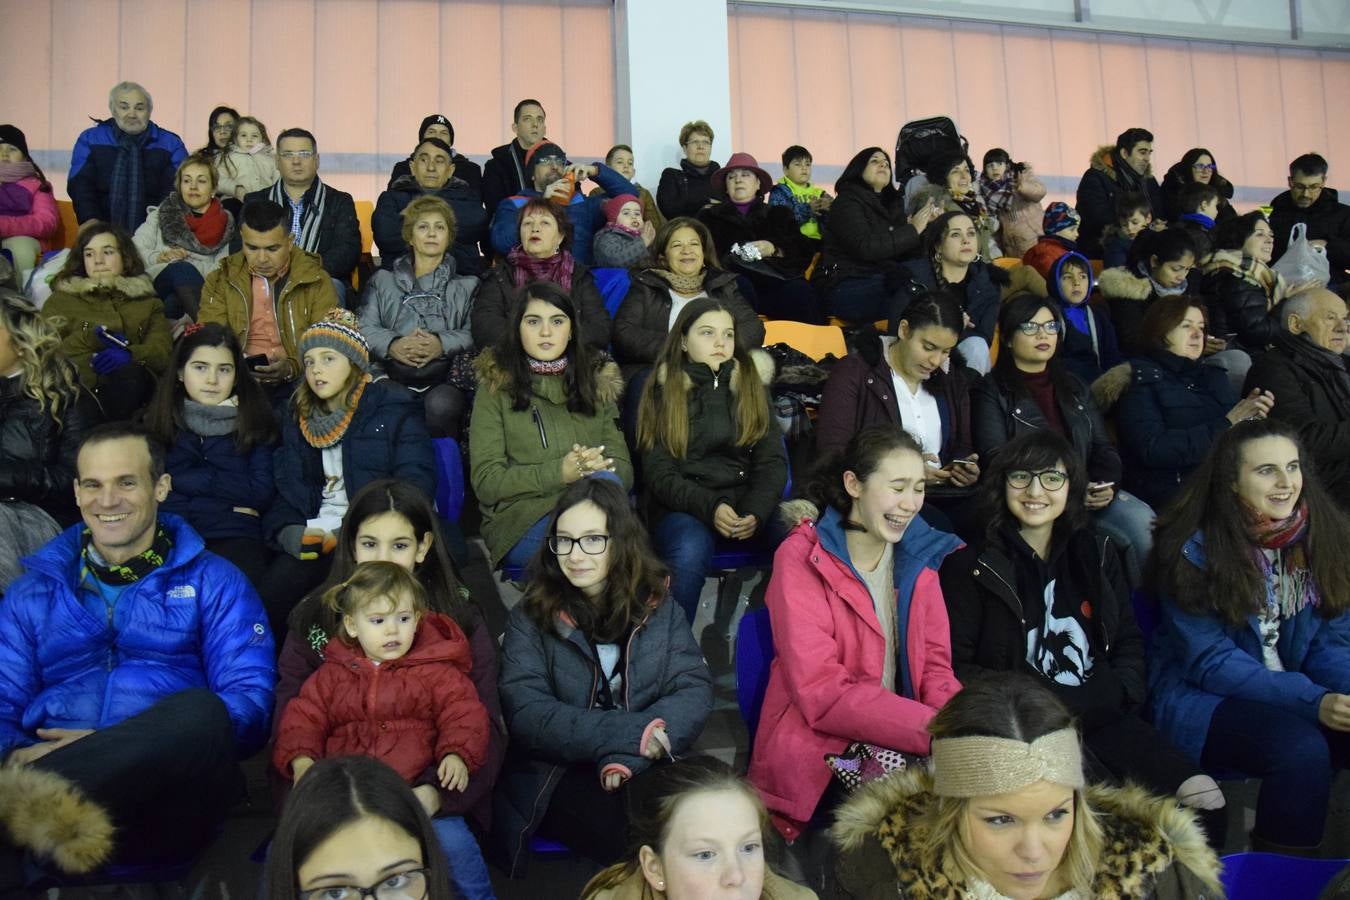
(504, 175)
(1238, 305)
(1096, 200)
(684, 191)
(465, 169)
(867, 234)
(999, 413)
(37, 457)
(989, 619)
(1176, 180)
(643, 319)
(1312, 393)
(491, 313)
(761, 222)
(1328, 220)
(982, 291)
(339, 233)
(471, 222)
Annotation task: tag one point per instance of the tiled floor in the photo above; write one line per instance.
(226, 870)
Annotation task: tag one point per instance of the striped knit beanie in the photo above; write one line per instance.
(339, 330)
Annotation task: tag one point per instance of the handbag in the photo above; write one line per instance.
(429, 375)
(1303, 265)
(862, 762)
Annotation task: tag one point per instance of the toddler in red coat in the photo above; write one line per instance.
(395, 685)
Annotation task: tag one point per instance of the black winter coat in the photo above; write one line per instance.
(212, 479)
(1167, 420)
(339, 245)
(643, 319)
(1238, 306)
(471, 222)
(761, 222)
(37, 457)
(866, 234)
(989, 620)
(714, 469)
(982, 292)
(491, 314)
(999, 413)
(684, 191)
(504, 175)
(1176, 180)
(1328, 220)
(1096, 199)
(1312, 393)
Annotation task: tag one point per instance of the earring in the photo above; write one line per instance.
(660, 885)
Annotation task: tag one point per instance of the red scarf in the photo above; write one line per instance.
(209, 226)
(525, 268)
(1291, 580)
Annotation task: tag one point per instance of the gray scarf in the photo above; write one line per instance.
(209, 421)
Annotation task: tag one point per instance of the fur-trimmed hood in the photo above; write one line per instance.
(130, 286)
(608, 380)
(1104, 161)
(764, 368)
(1111, 386)
(51, 817)
(174, 230)
(1145, 839)
(1122, 284)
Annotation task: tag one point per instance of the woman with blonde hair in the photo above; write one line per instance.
(1005, 813)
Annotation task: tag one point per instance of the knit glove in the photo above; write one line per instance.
(105, 362)
(306, 543)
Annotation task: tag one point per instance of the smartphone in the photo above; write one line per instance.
(1096, 487)
(968, 463)
(256, 361)
(111, 338)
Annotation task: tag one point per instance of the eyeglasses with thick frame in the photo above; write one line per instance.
(409, 885)
(1049, 479)
(591, 544)
(1031, 329)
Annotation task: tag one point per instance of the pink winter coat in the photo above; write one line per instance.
(825, 686)
(1022, 224)
(40, 222)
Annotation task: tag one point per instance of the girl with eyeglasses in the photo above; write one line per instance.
(353, 830)
(1031, 390)
(1042, 593)
(601, 678)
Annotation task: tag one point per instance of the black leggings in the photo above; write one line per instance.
(587, 818)
(445, 405)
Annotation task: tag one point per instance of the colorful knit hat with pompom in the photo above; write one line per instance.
(338, 330)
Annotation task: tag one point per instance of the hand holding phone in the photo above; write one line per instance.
(111, 339)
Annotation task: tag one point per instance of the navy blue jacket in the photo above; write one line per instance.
(583, 212)
(95, 154)
(387, 438)
(211, 478)
(471, 222)
(1167, 420)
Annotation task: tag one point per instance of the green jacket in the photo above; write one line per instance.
(308, 293)
(516, 455)
(126, 306)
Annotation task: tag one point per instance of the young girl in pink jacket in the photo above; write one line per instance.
(863, 648)
(28, 216)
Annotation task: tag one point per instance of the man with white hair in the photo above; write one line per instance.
(124, 163)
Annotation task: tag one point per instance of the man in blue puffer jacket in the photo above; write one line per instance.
(136, 669)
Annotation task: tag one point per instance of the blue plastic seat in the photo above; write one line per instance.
(449, 478)
(1261, 876)
(754, 653)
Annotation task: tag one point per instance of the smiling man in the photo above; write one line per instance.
(136, 668)
(124, 163)
(1305, 369)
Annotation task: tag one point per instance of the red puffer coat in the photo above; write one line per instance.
(409, 712)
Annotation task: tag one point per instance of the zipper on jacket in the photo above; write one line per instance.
(1022, 609)
(539, 422)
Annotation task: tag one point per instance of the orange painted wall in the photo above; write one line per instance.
(360, 74)
(841, 82)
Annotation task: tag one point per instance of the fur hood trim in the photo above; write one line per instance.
(1143, 836)
(175, 231)
(51, 817)
(1122, 284)
(1104, 160)
(608, 380)
(764, 368)
(1111, 385)
(133, 287)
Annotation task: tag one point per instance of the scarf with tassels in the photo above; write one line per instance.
(1292, 586)
(324, 429)
(526, 268)
(684, 284)
(997, 195)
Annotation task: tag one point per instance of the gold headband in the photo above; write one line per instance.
(981, 766)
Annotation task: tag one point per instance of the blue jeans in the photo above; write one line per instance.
(468, 873)
(687, 546)
(861, 300)
(1129, 521)
(177, 285)
(525, 550)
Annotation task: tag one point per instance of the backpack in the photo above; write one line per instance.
(923, 140)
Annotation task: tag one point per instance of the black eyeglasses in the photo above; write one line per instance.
(1031, 329)
(591, 544)
(1050, 479)
(410, 885)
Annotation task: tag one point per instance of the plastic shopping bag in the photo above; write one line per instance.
(1303, 264)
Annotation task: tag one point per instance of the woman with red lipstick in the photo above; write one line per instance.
(1250, 666)
(859, 626)
(712, 453)
(543, 254)
(1171, 406)
(1041, 593)
(185, 237)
